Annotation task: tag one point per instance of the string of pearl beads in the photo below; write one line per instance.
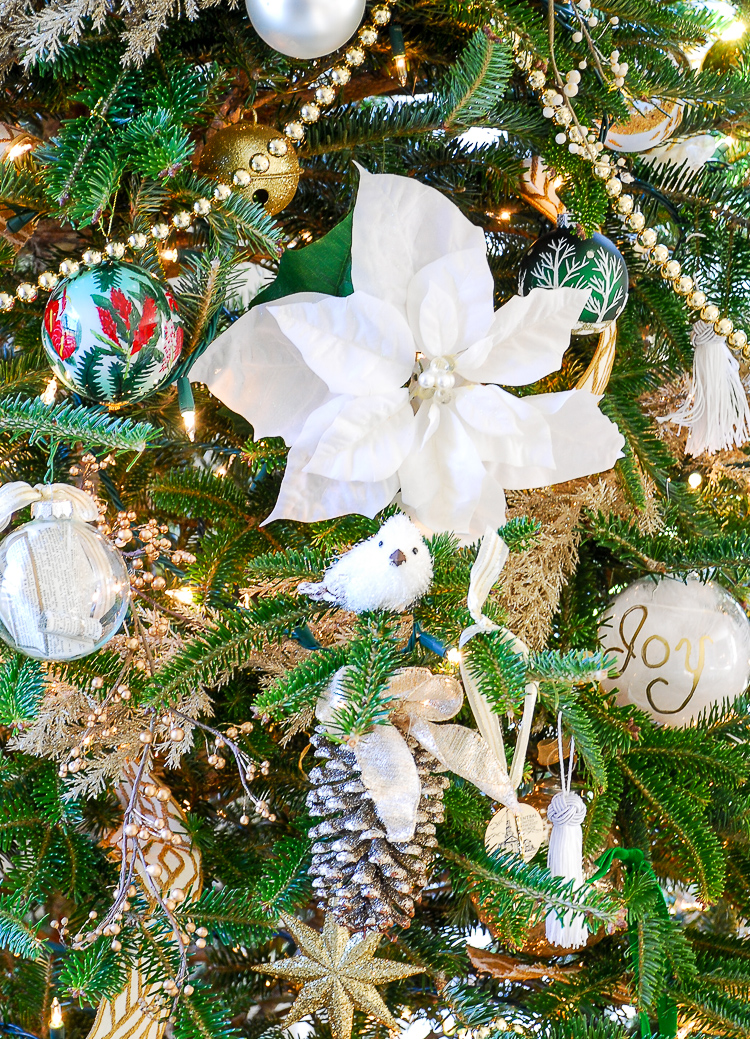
(159, 231)
(331, 81)
(558, 107)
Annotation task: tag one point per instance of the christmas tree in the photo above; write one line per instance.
(374, 443)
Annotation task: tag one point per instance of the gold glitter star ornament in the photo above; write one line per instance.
(338, 972)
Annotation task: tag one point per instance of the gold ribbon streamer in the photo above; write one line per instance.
(137, 1012)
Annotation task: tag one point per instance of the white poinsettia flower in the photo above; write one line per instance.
(393, 391)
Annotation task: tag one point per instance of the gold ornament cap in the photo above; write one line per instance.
(259, 152)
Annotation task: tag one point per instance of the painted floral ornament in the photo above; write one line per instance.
(394, 391)
(563, 259)
(112, 333)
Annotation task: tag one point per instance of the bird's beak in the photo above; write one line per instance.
(397, 557)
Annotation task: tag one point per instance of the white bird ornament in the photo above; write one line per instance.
(388, 571)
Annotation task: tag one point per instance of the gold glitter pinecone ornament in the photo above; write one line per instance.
(366, 881)
(256, 161)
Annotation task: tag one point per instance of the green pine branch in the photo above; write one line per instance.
(16, 935)
(22, 684)
(299, 689)
(373, 659)
(476, 82)
(211, 657)
(72, 424)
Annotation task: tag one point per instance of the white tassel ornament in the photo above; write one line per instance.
(565, 855)
(716, 412)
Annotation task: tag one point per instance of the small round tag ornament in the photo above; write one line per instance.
(681, 647)
(112, 333)
(561, 259)
(64, 589)
(520, 834)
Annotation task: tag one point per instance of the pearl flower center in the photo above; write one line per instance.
(437, 381)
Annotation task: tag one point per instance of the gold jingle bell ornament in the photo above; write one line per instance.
(257, 161)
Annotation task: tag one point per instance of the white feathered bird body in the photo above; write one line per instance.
(388, 571)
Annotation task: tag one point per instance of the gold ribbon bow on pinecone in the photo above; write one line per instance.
(387, 766)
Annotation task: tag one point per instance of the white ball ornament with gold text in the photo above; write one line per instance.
(682, 647)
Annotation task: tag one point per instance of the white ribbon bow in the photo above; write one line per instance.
(55, 499)
(387, 765)
(491, 558)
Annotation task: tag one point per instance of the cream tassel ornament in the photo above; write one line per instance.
(716, 412)
(565, 855)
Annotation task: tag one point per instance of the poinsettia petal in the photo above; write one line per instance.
(449, 302)
(526, 340)
(441, 480)
(368, 440)
(309, 497)
(504, 428)
(399, 227)
(584, 442)
(256, 371)
(356, 344)
(490, 510)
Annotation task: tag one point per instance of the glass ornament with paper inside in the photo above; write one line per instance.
(64, 590)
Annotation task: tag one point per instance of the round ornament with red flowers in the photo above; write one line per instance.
(112, 333)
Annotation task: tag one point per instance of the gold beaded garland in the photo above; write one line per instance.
(671, 270)
(684, 285)
(340, 74)
(557, 106)
(278, 149)
(113, 250)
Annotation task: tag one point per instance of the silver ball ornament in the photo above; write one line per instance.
(305, 28)
(64, 589)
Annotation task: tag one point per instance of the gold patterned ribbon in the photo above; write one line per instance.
(137, 1012)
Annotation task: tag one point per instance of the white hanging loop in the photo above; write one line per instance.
(491, 558)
